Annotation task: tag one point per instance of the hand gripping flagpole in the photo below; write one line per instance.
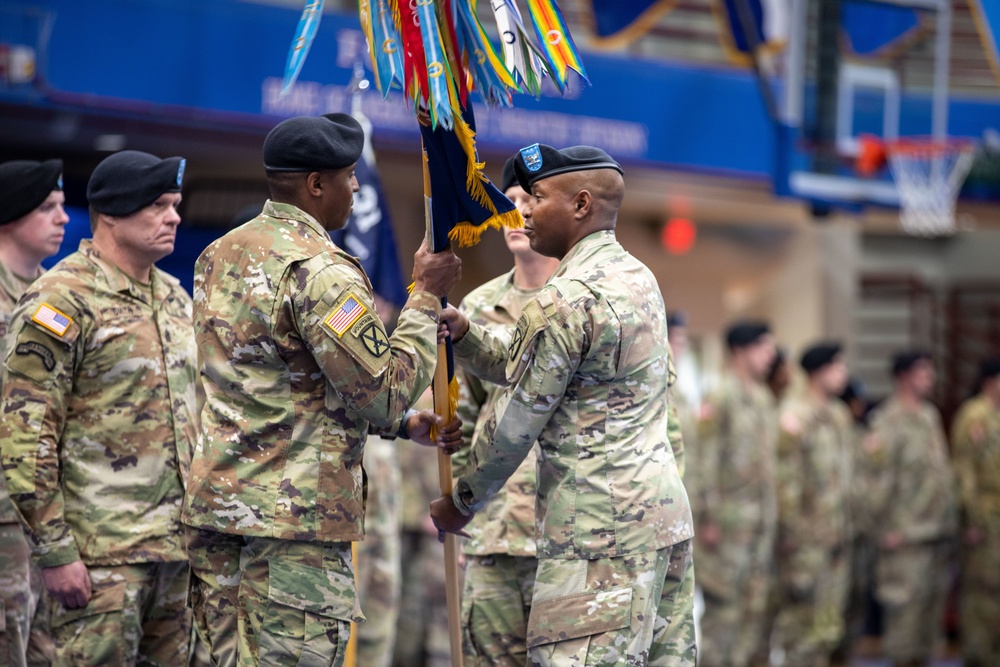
(444, 407)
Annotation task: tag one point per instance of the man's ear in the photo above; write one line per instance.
(314, 184)
(583, 202)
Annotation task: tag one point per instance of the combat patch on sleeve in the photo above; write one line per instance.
(52, 319)
(534, 319)
(345, 314)
(39, 349)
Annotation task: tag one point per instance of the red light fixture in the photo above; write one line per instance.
(678, 236)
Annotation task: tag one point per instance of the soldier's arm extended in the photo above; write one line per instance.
(542, 362)
(377, 376)
(38, 379)
(483, 352)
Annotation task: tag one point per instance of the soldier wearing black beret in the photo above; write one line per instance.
(292, 345)
(103, 342)
(32, 221)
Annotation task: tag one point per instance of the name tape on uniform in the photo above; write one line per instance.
(52, 319)
(345, 314)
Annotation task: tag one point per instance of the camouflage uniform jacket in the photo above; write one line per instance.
(814, 450)
(11, 289)
(735, 466)
(98, 413)
(295, 366)
(587, 373)
(913, 492)
(506, 525)
(976, 454)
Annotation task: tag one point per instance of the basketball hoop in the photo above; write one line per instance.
(928, 175)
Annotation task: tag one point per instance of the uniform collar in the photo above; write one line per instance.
(162, 283)
(585, 247)
(284, 211)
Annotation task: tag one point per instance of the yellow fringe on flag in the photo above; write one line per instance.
(466, 234)
(454, 392)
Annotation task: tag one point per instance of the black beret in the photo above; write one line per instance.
(904, 361)
(538, 161)
(742, 334)
(314, 143)
(508, 179)
(24, 185)
(128, 181)
(677, 318)
(989, 369)
(819, 355)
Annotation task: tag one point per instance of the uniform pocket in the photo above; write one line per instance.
(308, 615)
(582, 615)
(102, 601)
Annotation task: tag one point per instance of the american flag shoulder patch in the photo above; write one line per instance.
(345, 314)
(52, 319)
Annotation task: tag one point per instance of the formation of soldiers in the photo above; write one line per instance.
(186, 475)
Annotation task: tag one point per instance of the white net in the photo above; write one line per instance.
(928, 176)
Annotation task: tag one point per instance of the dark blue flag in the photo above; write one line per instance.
(368, 236)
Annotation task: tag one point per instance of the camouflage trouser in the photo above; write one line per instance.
(860, 575)
(635, 610)
(378, 562)
(137, 615)
(261, 601)
(422, 631)
(979, 604)
(810, 616)
(736, 582)
(496, 601)
(24, 623)
(911, 583)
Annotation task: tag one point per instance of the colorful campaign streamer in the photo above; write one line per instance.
(522, 57)
(557, 44)
(305, 33)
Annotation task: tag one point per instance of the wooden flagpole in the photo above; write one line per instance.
(441, 407)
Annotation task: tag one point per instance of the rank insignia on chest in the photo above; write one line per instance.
(52, 319)
(345, 314)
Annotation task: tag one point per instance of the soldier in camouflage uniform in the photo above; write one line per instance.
(733, 475)
(976, 455)
(684, 400)
(32, 219)
(296, 368)
(914, 512)
(500, 555)
(98, 422)
(813, 476)
(586, 370)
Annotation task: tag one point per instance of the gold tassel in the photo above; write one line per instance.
(454, 393)
(466, 234)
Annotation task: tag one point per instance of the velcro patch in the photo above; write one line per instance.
(345, 314)
(36, 348)
(52, 319)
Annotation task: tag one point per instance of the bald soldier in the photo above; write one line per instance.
(32, 221)
(913, 512)
(586, 375)
(297, 368)
(98, 422)
(500, 555)
(975, 445)
(735, 509)
(813, 474)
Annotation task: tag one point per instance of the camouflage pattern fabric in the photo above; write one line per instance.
(813, 475)
(378, 555)
(634, 610)
(25, 638)
(976, 457)
(586, 368)
(733, 475)
(675, 427)
(261, 601)
(98, 413)
(137, 615)
(496, 603)
(912, 496)
(296, 368)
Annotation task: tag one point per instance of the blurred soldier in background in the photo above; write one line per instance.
(32, 219)
(685, 393)
(735, 507)
(99, 422)
(976, 451)
(913, 510)
(500, 555)
(814, 444)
